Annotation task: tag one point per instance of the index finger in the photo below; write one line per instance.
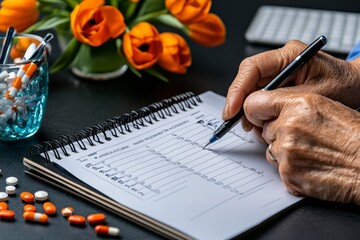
(254, 72)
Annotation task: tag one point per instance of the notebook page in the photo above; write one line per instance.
(163, 172)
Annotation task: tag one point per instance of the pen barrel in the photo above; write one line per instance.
(226, 126)
(284, 76)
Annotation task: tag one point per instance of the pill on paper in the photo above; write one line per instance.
(41, 195)
(29, 208)
(11, 181)
(27, 197)
(7, 214)
(10, 190)
(67, 211)
(3, 206)
(76, 220)
(49, 208)
(96, 218)
(3, 196)
(35, 217)
(107, 230)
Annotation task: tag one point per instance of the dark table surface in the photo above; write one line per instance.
(75, 104)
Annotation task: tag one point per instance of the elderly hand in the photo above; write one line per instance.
(323, 74)
(315, 141)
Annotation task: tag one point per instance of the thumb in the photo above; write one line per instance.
(262, 105)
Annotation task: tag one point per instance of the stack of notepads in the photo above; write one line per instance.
(150, 167)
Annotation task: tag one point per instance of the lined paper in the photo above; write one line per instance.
(162, 171)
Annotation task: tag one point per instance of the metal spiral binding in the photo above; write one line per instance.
(115, 127)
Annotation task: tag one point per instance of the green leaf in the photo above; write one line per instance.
(151, 6)
(136, 72)
(170, 20)
(53, 22)
(60, 2)
(156, 73)
(49, 22)
(67, 57)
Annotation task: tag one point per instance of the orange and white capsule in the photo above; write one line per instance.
(49, 208)
(67, 211)
(21, 80)
(29, 208)
(7, 214)
(16, 84)
(28, 75)
(77, 220)
(107, 230)
(3, 206)
(35, 217)
(96, 218)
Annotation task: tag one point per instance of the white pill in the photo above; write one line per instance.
(10, 190)
(3, 196)
(41, 195)
(11, 181)
(3, 75)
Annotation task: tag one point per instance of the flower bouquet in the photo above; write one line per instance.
(101, 35)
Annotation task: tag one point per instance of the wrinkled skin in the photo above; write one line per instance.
(312, 124)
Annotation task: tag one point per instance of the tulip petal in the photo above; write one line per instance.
(18, 14)
(176, 53)
(94, 24)
(113, 15)
(210, 32)
(142, 46)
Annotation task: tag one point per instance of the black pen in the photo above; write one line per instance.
(278, 81)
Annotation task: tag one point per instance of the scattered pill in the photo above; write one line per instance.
(41, 195)
(67, 211)
(11, 181)
(27, 197)
(77, 220)
(107, 230)
(96, 218)
(3, 196)
(35, 217)
(29, 208)
(3, 206)
(10, 190)
(49, 208)
(7, 214)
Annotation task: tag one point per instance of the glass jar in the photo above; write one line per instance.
(23, 88)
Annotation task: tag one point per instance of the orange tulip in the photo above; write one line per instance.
(142, 46)
(19, 14)
(176, 54)
(189, 11)
(19, 48)
(93, 23)
(210, 32)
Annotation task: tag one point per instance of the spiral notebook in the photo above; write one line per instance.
(150, 167)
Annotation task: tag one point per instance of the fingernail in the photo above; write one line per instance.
(246, 125)
(225, 113)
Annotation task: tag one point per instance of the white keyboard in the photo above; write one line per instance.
(275, 25)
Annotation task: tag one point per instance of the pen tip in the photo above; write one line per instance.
(206, 145)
